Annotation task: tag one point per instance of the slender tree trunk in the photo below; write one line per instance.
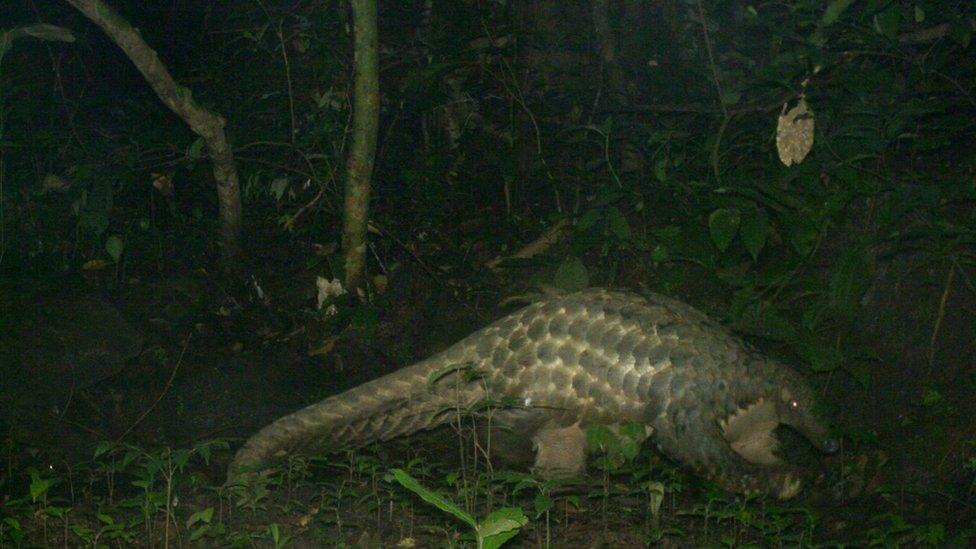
(209, 126)
(362, 150)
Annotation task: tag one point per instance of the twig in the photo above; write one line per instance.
(938, 319)
(930, 34)
(699, 108)
(549, 237)
(291, 94)
(718, 89)
(291, 221)
(85, 428)
(516, 94)
(430, 272)
(169, 383)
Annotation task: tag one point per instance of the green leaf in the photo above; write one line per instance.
(961, 31)
(200, 532)
(934, 534)
(193, 153)
(501, 526)
(931, 397)
(753, 233)
(543, 504)
(887, 22)
(56, 511)
(821, 356)
(433, 498)
(114, 246)
(103, 447)
(83, 532)
(629, 448)
(634, 430)
(834, 10)
(39, 486)
(6, 40)
(661, 169)
(755, 317)
(660, 253)
(618, 223)
(200, 516)
(803, 235)
(732, 97)
(861, 373)
(849, 279)
(600, 437)
(571, 275)
(589, 219)
(722, 225)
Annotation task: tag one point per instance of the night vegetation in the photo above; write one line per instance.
(209, 218)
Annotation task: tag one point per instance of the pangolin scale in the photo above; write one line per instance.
(707, 400)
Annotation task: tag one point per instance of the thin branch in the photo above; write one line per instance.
(943, 299)
(166, 388)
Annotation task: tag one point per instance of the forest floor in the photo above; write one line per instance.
(138, 458)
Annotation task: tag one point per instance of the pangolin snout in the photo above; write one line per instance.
(818, 436)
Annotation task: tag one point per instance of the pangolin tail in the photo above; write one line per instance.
(400, 403)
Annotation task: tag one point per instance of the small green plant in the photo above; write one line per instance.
(744, 520)
(491, 532)
(892, 529)
(201, 525)
(277, 537)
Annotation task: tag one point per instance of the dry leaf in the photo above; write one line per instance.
(794, 133)
(94, 265)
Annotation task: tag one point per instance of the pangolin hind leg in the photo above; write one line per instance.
(560, 452)
(537, 438)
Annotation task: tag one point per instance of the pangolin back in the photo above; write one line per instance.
(590, 356)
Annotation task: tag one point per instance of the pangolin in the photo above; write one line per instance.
(706, 399)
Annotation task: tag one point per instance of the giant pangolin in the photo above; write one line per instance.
(707, 400)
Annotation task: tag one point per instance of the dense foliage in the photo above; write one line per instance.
(650, 128)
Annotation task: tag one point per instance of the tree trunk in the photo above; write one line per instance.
(362, 150)
(209, 126)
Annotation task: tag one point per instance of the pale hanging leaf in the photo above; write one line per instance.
(794, 133)
(278, 187)
(42, 31)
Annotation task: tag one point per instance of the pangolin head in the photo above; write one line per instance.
(785, 400)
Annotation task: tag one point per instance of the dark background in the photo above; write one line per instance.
(650, 125)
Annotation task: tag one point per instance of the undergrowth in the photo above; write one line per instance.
(128, 496)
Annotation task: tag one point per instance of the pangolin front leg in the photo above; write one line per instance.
(710, 455)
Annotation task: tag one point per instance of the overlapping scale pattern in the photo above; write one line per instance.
(593, 356)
